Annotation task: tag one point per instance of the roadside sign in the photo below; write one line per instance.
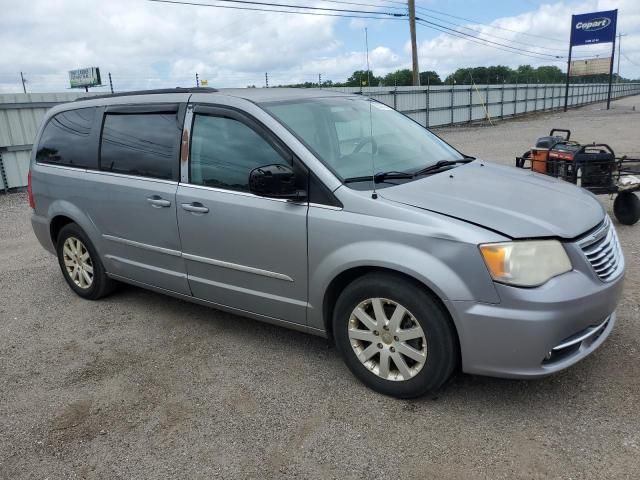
(595, 27)
(85, 77)
(589, 66)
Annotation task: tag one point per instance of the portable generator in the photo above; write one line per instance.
(591, 166)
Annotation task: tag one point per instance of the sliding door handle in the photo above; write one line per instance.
(158, 202)
(195, 207)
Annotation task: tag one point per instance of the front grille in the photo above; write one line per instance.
(603, 251)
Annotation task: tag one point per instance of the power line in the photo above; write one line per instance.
(375, 5)
(321, 11)
(488, 34)
(485, 24)
(457, 33)
(629, 60)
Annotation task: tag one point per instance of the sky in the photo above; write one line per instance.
(152, 45)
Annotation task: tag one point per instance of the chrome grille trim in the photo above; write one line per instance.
(583, 335)
(602, 251)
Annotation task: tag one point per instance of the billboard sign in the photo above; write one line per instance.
(592, 28)
(85, 77)
(589, 66)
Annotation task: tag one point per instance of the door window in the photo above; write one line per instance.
(224, 151)
(145, 145)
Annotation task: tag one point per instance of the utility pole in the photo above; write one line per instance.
(110, 83)
(266, 79)
(414, 47)
(620, 35)
(24, 86)
(197, 80)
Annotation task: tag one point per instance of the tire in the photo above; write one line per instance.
(626, 208)
(80, 264)
(434, 352)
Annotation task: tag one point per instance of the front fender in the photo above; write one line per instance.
(455, 273)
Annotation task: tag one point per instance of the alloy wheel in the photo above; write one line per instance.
(77, 262)
(387, 339)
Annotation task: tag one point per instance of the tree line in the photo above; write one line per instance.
(492, 75)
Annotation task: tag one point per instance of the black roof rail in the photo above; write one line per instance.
(151, 92)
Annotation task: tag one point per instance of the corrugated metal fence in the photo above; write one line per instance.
(21, 114)
(449, 105)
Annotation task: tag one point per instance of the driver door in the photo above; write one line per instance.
(241, 250)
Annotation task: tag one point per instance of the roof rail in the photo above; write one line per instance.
(151, 92)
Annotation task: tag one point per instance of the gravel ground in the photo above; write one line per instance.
(140, 385)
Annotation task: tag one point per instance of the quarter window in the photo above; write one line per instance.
(224, 151)
(141, 144)
(66, 140)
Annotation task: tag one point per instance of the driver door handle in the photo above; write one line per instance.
(195, 207)
(158, 202)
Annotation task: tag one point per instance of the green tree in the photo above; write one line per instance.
(400, 78)
(360, 78)
(430, 77)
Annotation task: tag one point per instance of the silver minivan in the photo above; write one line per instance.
(332, 214)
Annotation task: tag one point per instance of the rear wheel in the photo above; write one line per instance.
(81, 265)
(626, 208)
(394, 336)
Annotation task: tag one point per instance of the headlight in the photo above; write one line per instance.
(525, 263)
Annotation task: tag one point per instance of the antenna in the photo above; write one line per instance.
(374, 195)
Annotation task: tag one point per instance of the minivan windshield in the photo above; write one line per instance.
(357, 137)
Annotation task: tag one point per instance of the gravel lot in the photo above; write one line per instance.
(140, 385)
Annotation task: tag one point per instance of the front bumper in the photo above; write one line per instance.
(514, 338)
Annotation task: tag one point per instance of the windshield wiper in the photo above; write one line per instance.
(440, 165)
(380, 177)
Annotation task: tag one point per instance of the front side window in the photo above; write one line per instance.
(66, 140)
(144, 145)
(355, 136)
(224, 151)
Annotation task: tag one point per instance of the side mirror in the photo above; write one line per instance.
(275, 181)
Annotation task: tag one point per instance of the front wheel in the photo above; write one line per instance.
(394, 336)
(626, 208)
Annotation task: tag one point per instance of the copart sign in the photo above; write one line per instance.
(596, 27)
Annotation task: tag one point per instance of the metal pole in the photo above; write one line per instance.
(428, 100)
(470, 98)
(620, 35)
(24, 87)
(366, 43)
(453, 84)
(110, 83)
(502, 101)
(566, 88)
(414, 46)
(613, 51)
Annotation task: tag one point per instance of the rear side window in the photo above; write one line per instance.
(66, 140)
(224, 151)
(144, 144)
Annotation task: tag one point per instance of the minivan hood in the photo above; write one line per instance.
(515, 202)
